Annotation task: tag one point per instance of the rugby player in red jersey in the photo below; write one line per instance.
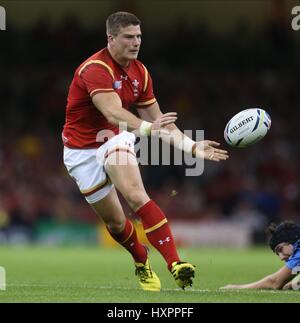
(101, 158)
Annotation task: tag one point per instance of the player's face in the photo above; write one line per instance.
(126, 44)
(284, 250)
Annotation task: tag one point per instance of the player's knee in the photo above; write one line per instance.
(116, 226)
(136, 198)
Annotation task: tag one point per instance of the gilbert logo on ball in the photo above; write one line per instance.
(2, 279)
(247, 127)
(2, 18)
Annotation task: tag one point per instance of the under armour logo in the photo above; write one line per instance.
(161, 242)
(124, 77)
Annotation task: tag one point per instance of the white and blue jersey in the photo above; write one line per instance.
(294, 259)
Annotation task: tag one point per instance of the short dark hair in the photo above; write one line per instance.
(120, 19)
(287, 231)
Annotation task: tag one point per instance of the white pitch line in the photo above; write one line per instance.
(45, 285)
(192, 290)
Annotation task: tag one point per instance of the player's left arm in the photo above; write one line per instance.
(206, 149)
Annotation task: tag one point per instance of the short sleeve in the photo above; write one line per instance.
(294, 260)
(147, 97)
(97, 79)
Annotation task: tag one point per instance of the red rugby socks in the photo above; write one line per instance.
(128, 239)
(158, 231)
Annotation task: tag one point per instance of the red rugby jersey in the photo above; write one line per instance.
(101, 73)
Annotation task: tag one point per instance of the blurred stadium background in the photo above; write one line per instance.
(209, 60)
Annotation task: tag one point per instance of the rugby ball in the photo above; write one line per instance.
(247, 127)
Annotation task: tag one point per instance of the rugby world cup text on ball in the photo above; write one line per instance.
(240, 124)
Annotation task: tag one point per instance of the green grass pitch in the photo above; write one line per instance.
(66, 274)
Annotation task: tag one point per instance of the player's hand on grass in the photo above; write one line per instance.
(158, 126)
(288, 286)
(208, 149)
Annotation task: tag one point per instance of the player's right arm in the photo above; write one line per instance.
(203, 149)
(110, 105)
(273, 281)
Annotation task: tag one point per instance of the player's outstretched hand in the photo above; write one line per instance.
(287, 286)
(207, 149)
(158, 126)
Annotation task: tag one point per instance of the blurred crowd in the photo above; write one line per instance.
(205, 77)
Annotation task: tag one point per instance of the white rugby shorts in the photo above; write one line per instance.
(86, 166)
